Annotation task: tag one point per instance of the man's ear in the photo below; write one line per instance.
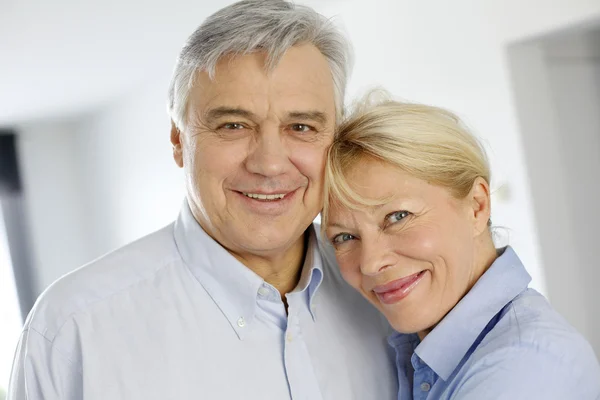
(177, 147)
(481, 208)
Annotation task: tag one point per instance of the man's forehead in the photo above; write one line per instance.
(294, 58)
(255, 106)
(301, 74)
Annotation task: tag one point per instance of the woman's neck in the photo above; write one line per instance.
(485, 254)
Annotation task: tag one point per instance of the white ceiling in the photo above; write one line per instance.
(62, 57)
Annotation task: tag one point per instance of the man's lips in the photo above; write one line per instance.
(398, 289)
(264, 203)
(262, 195)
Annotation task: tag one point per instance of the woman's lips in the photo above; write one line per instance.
(397, 290)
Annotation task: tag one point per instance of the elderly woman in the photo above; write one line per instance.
(408, 213)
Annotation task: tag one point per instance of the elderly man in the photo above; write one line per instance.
(239, 298)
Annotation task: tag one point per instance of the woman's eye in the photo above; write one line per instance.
(342, 237)
(302, 128)
(396, 216)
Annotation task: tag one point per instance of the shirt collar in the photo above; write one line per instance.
(230, 284)
(448, 343)
(312, 273)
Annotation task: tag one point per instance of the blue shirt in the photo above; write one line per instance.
(501, 341)
(175, 316)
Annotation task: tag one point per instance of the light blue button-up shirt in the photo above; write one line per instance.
(175, 316)
(501, 341)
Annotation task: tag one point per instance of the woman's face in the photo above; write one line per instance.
(413, 257)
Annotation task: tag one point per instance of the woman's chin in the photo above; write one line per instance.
(411, 322)
(407, 327)
(407, 316)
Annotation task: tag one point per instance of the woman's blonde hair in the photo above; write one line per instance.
(427, 142)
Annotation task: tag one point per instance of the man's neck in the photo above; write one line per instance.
(282, 270)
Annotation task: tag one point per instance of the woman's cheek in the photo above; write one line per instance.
(421, 243)
(349, 269)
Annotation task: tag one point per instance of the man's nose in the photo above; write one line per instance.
(268, 155)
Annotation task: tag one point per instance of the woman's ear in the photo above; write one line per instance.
(479, 199)
(176, 142)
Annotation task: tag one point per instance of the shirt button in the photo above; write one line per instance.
(241, 322)
(263, 291)
(425, 386)
(289, 337)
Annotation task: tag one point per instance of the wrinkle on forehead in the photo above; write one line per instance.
(243, 82)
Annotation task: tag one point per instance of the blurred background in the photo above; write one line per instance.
(85, 158)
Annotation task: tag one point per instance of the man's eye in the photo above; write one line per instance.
(232, 126)
(396, 216)
(302, 128)
(342, 238)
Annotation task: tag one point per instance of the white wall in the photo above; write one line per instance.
(10, 311)
(132, 184)
(98, 183)
(557, 87)
(49, 164)
(548, 178)
(575, 85)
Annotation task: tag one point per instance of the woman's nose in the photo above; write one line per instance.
(376, 255)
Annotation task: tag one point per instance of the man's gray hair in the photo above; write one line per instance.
(248, 26)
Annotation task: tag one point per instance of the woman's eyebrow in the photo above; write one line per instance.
(337, 225)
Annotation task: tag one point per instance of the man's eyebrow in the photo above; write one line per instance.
(219, 112)
(312, 115)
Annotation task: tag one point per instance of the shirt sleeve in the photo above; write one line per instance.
(528, 373)
(42, 372)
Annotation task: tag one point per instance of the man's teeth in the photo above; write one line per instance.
(265, 196)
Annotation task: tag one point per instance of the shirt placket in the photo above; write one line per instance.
(299, 369)
(423, 380)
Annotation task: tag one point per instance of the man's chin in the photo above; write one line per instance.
(263, 238)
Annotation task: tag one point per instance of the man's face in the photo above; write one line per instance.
(254, 149)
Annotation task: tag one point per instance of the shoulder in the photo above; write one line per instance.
(532, 345)
(101, 279)
(529, 321)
